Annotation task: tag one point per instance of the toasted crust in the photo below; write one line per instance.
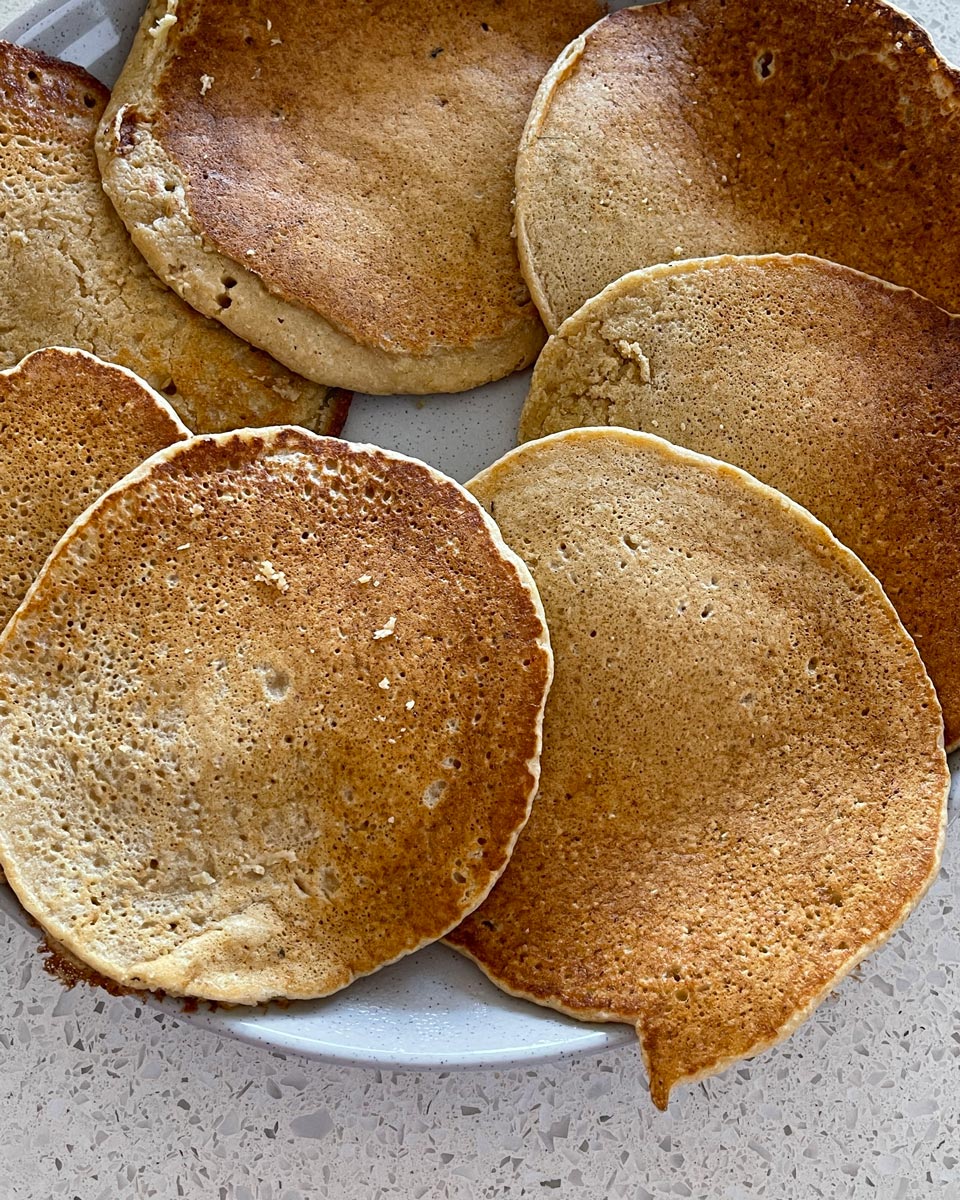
(743, 785)
(702, 127)
(70, 427)
(71, 275)
(384, 260)
(325, 674)
(830, 385)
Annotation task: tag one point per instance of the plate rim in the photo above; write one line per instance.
(37, 12)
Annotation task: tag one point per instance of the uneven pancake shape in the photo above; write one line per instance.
(385, 137)
(71, 276)
(702, 127)
(70, 427)
(743, 784)
(271, 718)
(832, 386)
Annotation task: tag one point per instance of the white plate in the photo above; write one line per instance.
(433, 1009)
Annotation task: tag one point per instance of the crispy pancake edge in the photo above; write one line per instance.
(303, 340)
(681, 456)
(269, 437)
(56, 104)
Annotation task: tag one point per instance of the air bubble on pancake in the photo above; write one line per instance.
(433, 792)
(763, 65)
(275, 680)
(329, 882)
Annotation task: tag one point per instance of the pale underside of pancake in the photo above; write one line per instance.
(829, 385)
(70, 427)
(70, 274)
(385, 138)
(704, 127)
(272, 717)
(743, 785)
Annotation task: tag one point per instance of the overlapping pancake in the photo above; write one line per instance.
(70, 274)
(829, 385)
(743, 784)
(271, 718)
(701, 127)
(70, 427)
(333, 181)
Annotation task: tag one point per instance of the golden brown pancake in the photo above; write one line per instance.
(71, 276)
(702, 127)
(384, 137)
(70, 426)
(272, 718)
(829, 385)
(743, 785)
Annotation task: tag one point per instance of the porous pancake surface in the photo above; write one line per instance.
(385, 137)
(70, 426)
(743, 783)
(702, 127)
(838, 389)
(271, 718)
(70, 275)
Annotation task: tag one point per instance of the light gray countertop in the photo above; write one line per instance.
(103, 1098)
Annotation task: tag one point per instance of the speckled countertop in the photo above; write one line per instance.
(104, 1098)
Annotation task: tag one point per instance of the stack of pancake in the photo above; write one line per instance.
(276, 705)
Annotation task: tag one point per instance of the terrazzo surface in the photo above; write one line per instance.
(104, 1098)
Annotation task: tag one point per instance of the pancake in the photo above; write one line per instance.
(71, 276)
(829, 385)
(703, 127)
(272, 717)
(385, 136)
(743, 785)
(70, 426)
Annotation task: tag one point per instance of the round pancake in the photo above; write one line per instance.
(743, 785)
(702, 127)
(385, 137)
(272, 717)
(829, 385)
(70, 274)
(70, 426)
